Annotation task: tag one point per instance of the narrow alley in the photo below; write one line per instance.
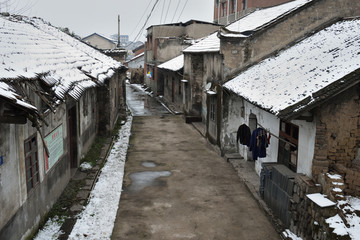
(177, 187)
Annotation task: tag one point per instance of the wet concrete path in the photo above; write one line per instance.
(141, 104)
(177, 187)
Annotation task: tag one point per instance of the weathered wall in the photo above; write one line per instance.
(242, 53)
(233, 117)
(173, 89)
(199, 30)
(166, 31)
(338, 133)
(87, 133)
(22, 211)
(168, 48)
(113, 96)
(193, 71)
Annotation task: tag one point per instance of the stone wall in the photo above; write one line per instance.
(308, 219)
(338, 135)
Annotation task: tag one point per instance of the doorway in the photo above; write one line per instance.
(72, 136)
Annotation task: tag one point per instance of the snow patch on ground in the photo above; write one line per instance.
(85, 166)
(349, 206)
(98, 218)
(289, 235)
(51, 230)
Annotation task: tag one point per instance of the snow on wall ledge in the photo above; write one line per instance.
(30, 47)
(296, 73)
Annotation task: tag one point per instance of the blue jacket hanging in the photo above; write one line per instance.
(258, 143)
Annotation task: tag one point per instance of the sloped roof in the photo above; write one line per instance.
(136, 57)
(31, 47)
(96, 34)
(9, 93)
(263, 17)
(249, 23)
(174, 64)
(297, 77)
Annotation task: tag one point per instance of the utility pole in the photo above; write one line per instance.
(118, 43)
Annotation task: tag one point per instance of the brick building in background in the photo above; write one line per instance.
(227, 11)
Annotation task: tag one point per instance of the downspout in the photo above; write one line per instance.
(218, 11)
(236, 9)
(228, 12)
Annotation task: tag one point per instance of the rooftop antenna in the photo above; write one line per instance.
(118, 43)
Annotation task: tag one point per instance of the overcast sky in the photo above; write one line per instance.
(85, 17)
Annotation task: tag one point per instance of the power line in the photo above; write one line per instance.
(141, 18)
(147, 19)
(167, 11)
(176, 10)
(162, 11)
(182, 10)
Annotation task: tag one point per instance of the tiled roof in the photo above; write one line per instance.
(262, 17)
(174, 64)
(8, 92)
(296, 77)
(31, 47)
(251, 22)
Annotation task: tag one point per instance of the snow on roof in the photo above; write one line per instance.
(99, 35)
(299, 72)
(174, 64)
(250, 22)
(6, 91)
(30, 47)
(208, 44)
(265, 16)
(136, 57)
(320, 200)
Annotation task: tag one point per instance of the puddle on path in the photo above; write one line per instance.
(148, 164)
(140, 180)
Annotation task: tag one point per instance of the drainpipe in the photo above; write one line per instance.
(228, 12)
(219, 11)
(118, 43)
(236, 10)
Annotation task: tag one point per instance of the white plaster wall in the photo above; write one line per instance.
(307, 133)
(267, 120)
(270, 123)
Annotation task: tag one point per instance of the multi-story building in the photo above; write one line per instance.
(227, 11)
(165, 42)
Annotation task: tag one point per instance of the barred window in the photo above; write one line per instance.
(31, 163)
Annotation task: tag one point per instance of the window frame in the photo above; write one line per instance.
(31, 167)
(290, 133)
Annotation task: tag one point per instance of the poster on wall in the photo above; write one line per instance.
(54, 141)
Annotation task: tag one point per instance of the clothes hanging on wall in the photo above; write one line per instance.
(243, 135)
(258, 143)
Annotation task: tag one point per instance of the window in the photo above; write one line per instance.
(213, 108)
(223, 9)
(288, 147)
(244, 4)
(31, 163)
(233, 6)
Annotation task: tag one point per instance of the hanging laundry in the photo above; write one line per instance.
(243, 135)
(259, 143)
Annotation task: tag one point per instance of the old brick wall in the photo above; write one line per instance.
(264, 3)
(242, 53)
(338, 137)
